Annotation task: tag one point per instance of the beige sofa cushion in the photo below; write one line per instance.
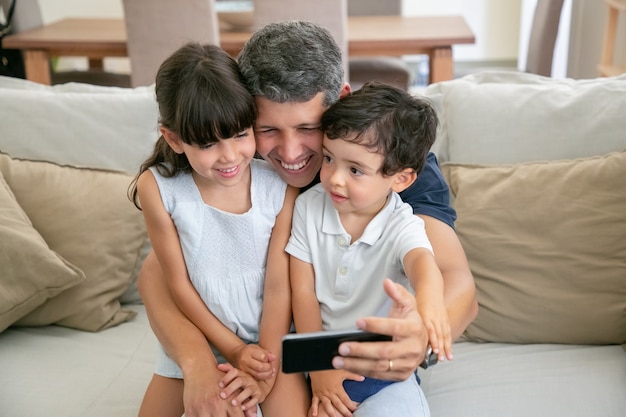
(546, 242)
(85, 216)
(31, 273)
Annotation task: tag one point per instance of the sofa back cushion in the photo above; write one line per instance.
(508, 117)
(84, 215)
(78, 124)
(546, 243)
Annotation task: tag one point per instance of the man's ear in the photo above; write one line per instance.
(345, 90)
(172, 139)
(403, 180)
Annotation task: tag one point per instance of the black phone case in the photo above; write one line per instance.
(305, 352)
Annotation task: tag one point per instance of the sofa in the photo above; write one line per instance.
(537, 172)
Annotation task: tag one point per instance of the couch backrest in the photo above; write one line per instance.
(78, 124)
(508, 117)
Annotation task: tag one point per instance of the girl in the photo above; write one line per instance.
(218, 221)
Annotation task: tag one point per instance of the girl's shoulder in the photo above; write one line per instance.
(264, 170)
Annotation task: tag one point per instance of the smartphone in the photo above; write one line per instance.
(305, 352)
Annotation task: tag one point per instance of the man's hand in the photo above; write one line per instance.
(242, 389)
(201, 395)
(395, 360)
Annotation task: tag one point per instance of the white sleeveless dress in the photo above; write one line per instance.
(225, 253)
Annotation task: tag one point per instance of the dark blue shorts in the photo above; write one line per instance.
(360, 391)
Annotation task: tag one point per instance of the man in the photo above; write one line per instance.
(295, 72)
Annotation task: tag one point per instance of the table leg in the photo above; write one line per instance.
(37, 65)
(96, 64)
(441, 65)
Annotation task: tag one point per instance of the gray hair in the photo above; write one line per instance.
(292, 61)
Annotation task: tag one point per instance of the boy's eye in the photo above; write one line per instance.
(328, 159)
(356, 171)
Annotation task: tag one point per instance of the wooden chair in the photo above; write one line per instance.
(156, 28)
(392, 70)
(607, 67)
(331, 14)
(543, 37)
(27, 16)
(543, 34)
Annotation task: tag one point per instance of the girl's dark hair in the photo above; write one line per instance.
(387, 120)
(201, 98)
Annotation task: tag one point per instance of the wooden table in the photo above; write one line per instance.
(367, 36)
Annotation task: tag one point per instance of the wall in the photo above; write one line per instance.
(495, 24)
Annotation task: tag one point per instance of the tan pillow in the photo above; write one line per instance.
(30, 273)
(546, 243)
(85, 216)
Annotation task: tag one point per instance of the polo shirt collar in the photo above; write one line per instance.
(331, 224)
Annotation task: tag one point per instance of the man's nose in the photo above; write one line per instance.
(289, 147)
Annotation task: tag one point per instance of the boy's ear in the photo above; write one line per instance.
(172, 139)
(403, 180)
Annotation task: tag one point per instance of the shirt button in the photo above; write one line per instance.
(341, 241)
(343, 270)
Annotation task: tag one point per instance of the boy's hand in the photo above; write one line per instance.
(437, 325)
(327, 389)
(256, 361)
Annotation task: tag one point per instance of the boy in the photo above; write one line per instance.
(352, 230)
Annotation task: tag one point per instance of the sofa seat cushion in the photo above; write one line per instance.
(499, 379)
(31, 272)
(56, 371)
(85, 216)
(546, 243)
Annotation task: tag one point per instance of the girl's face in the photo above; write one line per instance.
(351, 176)
(222, 163)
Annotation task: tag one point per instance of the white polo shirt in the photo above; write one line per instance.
(349, 277)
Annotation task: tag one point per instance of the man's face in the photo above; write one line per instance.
(288, 136)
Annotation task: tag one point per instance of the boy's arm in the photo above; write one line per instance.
(166, 245)
(423, 273)
(307, 315)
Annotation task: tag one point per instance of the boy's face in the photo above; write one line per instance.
(352, 177)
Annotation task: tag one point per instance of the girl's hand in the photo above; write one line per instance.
(256, 361)
(437, 325)
(327, 389)
(241, 388)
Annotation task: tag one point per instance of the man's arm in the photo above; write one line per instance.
(185, 343)
(458, 283)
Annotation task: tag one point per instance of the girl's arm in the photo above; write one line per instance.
(166, 245)
(289, 395)
(425, 277)
(276, 318)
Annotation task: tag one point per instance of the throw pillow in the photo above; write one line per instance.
(85, 216)
(31, 273)
(546, 243)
